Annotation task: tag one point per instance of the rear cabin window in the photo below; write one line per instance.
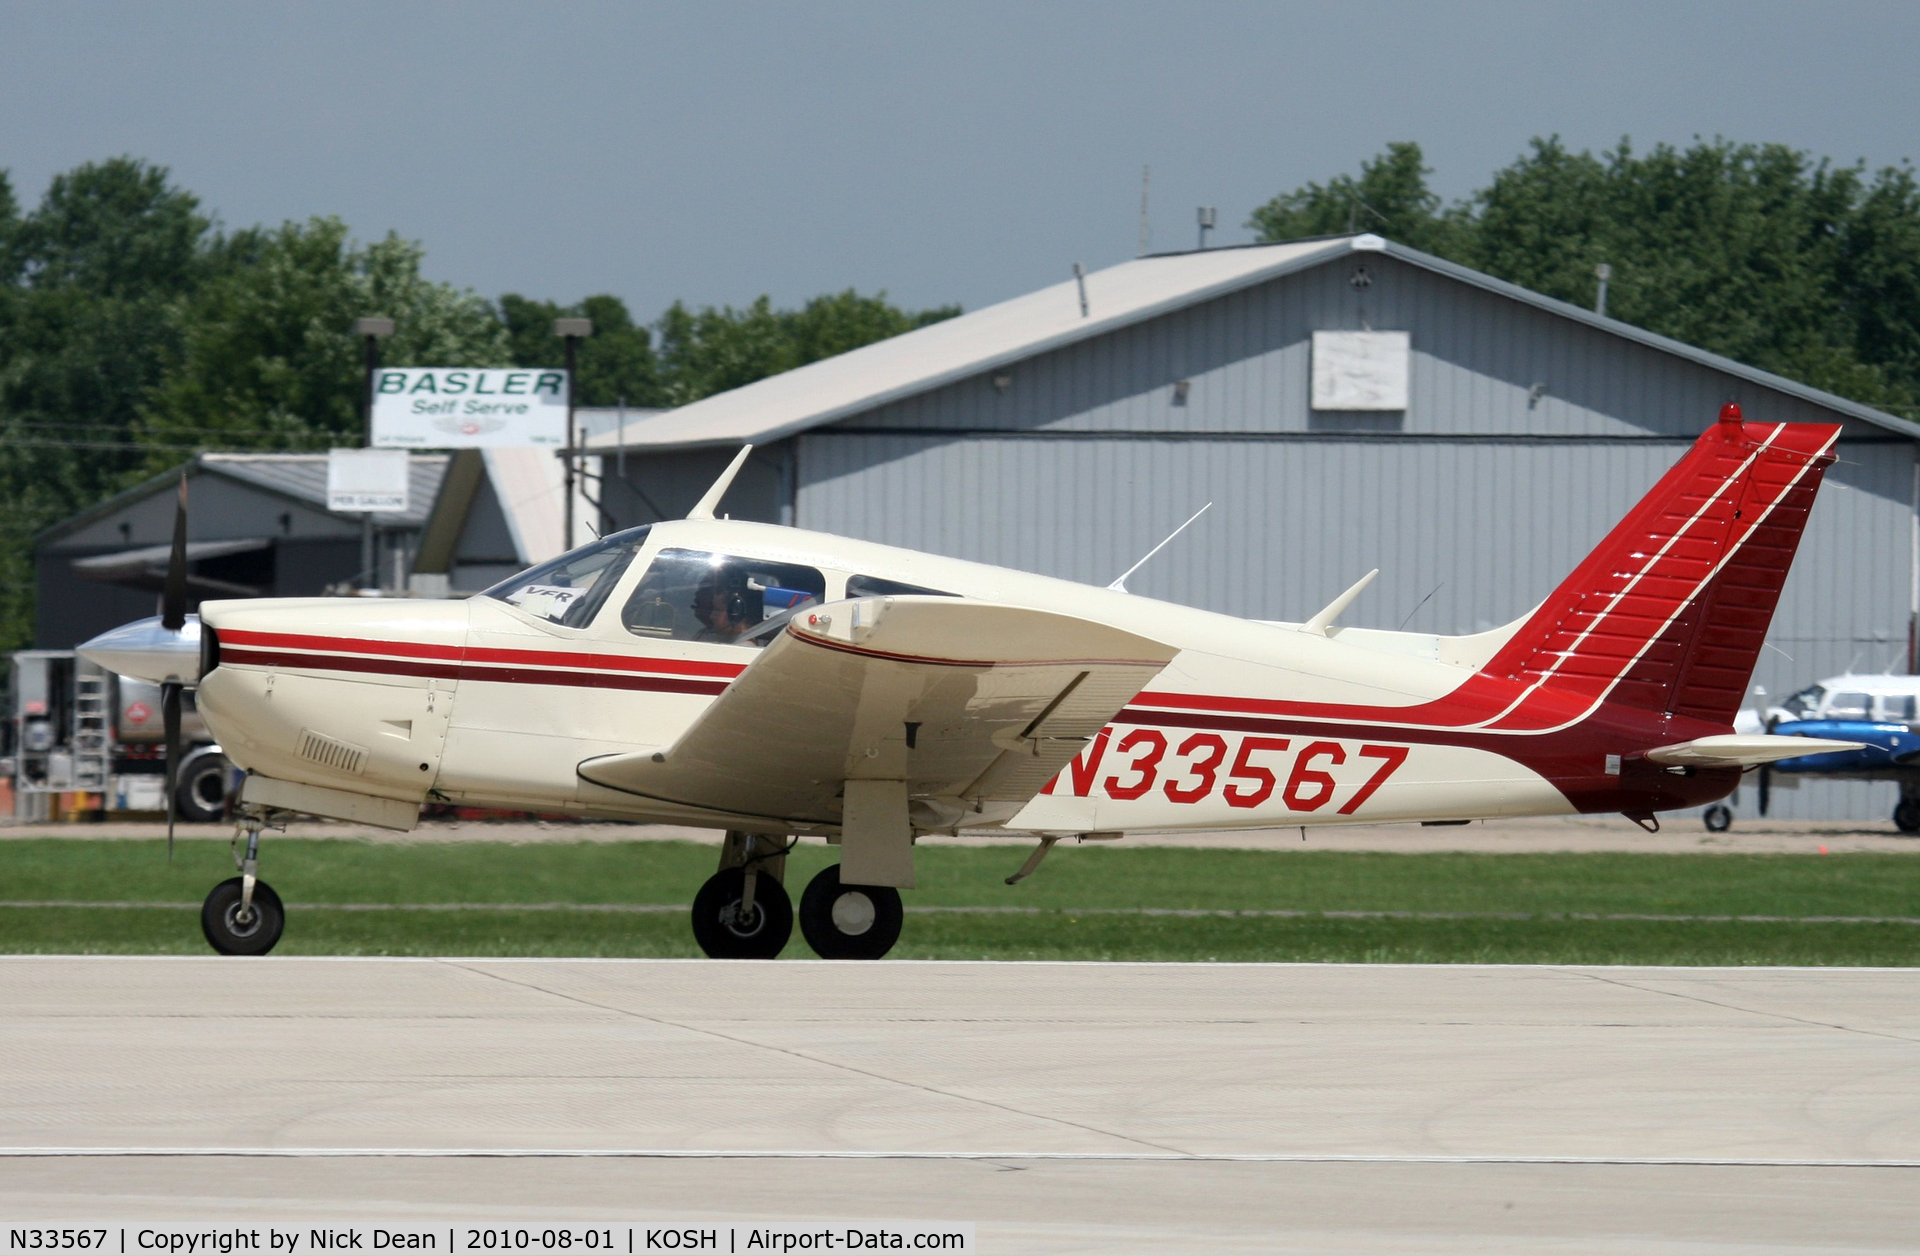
(721, 599)
(874, 586)
(1897, 706)
(1849, 706)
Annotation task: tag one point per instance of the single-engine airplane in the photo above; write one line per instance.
(779, 683)
(1879, 713)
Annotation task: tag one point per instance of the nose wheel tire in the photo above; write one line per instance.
(724, 932)
(1718, 818)
(849, 921)
(230, 932)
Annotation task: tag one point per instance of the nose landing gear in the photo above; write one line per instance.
(243, 916)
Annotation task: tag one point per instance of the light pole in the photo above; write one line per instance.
(370, 330)
(572, 331)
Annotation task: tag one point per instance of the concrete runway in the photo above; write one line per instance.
(1058, 1107)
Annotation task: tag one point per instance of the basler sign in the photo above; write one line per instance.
(442, 407)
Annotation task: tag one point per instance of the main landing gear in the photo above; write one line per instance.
(743, 911)
(849, 921)
(1906, 813)
(243, 916)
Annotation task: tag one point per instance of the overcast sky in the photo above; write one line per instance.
(941, 152)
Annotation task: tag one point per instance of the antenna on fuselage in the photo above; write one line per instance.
(703, 509)
(1121, 583)
(1331, 611)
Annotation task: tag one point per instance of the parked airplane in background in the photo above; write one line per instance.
(781, 683)
(1881, 713)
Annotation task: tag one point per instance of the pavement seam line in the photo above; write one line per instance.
(1735, 1007)
(1171, 1157)
(815, 1060)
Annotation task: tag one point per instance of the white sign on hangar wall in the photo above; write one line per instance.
(1360, 370)
(460, 407)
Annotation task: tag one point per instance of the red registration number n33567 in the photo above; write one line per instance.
(1193, 767)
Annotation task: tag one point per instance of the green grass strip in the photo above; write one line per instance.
(1087, 899)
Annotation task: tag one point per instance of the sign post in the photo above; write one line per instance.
(369, 329)
(573, 331)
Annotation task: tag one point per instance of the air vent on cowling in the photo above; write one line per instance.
(331, 752)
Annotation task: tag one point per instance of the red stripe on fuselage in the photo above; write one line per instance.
(470, 672)
(454, 653)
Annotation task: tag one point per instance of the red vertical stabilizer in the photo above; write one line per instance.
(1669, 612)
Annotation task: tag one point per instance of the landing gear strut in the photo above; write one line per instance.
(743, 912)
(243, 916)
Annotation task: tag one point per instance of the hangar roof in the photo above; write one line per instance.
(920, 360)
(301, 477)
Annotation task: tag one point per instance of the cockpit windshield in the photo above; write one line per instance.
(571, 589)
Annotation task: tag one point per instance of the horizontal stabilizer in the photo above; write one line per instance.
(1744, 750)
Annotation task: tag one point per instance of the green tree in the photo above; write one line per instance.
(88, 323)
(616, 363)
(270, 359)
(1390, 198)
(1757, 252)
(713, 350)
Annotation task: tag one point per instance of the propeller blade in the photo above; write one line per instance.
(170, 716)
(173, 602)
(1766, 788)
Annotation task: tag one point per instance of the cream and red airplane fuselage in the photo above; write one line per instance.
(1250, 725)
(1018, 702)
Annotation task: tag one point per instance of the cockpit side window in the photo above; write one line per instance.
(572, 588)
(1805, 704)
(874, 586)
(722, 599)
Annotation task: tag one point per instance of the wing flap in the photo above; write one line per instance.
(963, 700)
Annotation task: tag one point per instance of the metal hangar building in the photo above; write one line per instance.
(1344, 403)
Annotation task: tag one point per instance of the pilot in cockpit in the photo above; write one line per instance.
(725, 605)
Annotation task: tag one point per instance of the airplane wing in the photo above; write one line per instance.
(964, 701)
(1744, 750)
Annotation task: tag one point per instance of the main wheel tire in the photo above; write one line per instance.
(228, 934)
(849, 921)
(1718, 818)
(720, 931)
(202, 792)
(1906, 816)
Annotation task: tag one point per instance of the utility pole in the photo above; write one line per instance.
(371, 330)
(572, 331)
(1146, 181)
